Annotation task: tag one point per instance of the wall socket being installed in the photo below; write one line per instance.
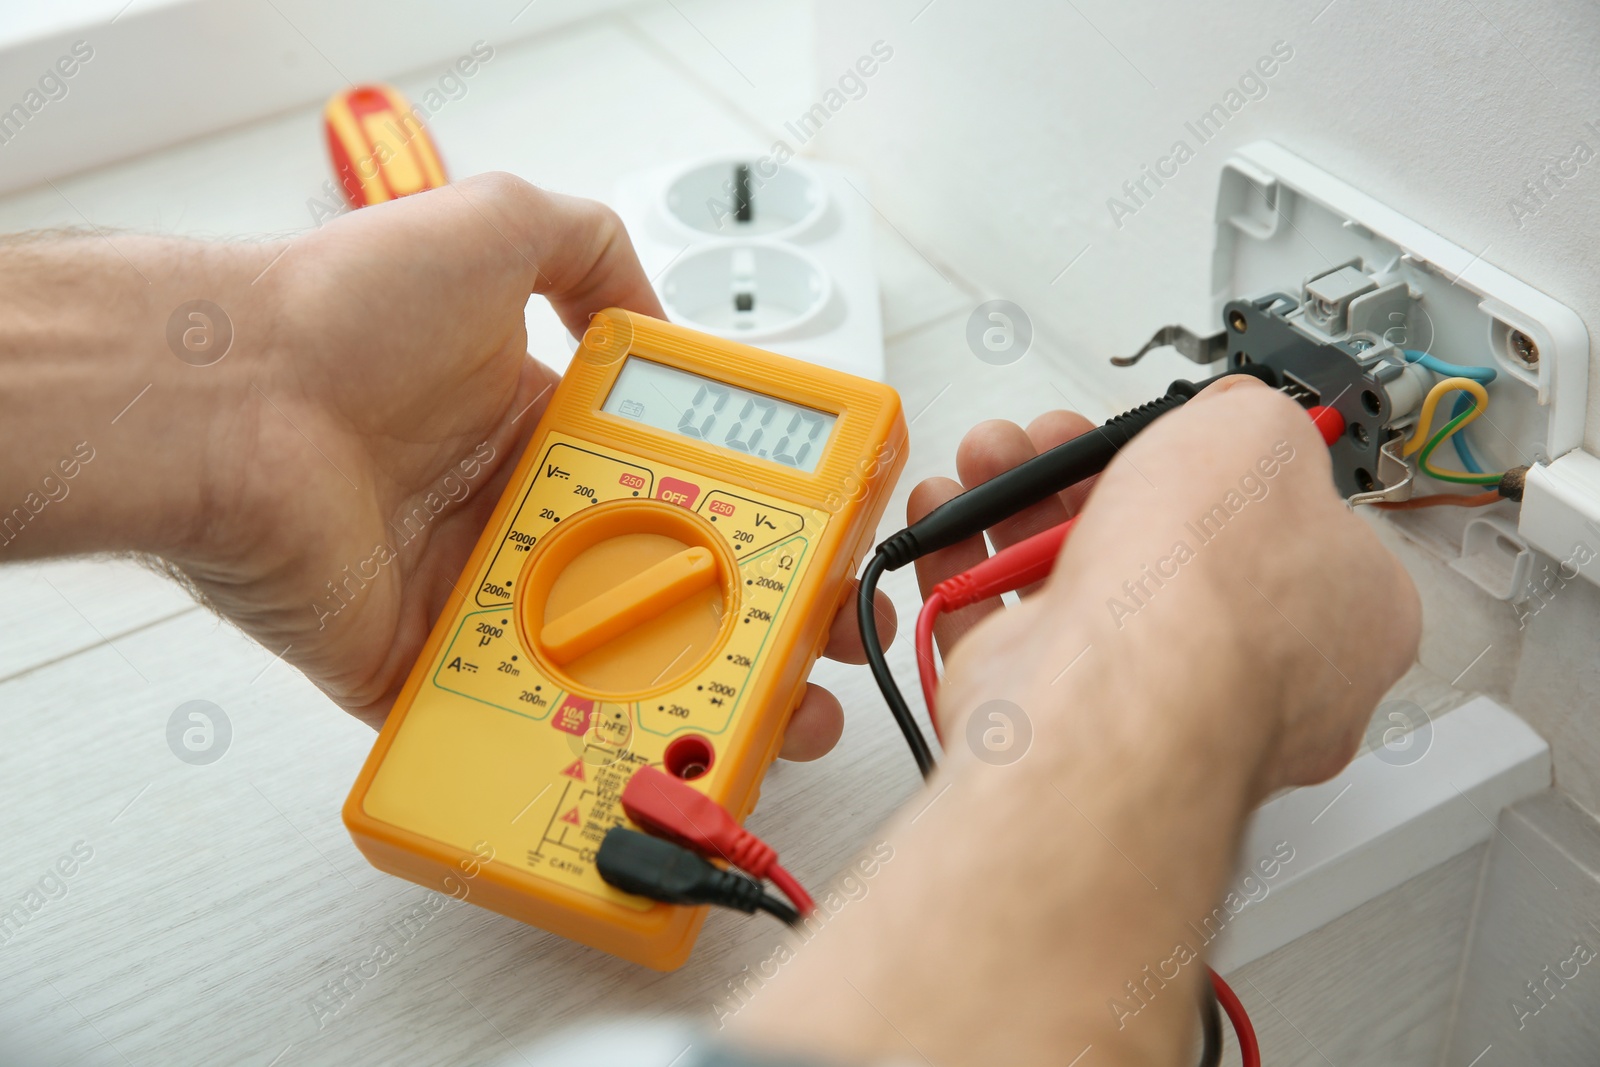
(777, 256)
(1328, 286)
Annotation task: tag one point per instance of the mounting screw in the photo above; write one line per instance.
(1237, 322)
(1523, 348)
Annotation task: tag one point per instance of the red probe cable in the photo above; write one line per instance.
(927, 670)
(668, 807)
(1249, 1050)
(1010, 569)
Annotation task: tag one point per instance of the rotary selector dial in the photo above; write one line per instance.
(627, 598)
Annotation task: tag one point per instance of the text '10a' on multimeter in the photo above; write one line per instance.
(652, 590)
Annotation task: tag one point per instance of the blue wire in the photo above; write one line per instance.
(1481, 375)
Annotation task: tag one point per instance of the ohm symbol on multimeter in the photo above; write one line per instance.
(775, 563)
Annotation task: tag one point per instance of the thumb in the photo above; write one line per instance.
(574, 252)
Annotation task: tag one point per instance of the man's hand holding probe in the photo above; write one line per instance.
(1024, 898)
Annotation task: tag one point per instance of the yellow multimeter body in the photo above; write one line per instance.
(652, 589)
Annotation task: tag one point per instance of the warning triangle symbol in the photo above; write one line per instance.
(572, 817)
(575, 771)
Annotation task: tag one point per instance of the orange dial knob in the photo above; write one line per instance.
(627, 598)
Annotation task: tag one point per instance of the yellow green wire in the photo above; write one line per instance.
(1479, 403)
(1438, 439)
(1419, 436)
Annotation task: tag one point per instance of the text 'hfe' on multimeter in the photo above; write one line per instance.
(652, 589)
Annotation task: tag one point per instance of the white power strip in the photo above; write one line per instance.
(775, 255)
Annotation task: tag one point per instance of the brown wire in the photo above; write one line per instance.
(1476, 500)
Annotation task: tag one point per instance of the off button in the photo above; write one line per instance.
(679, 492)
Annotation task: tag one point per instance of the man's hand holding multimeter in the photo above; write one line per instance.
(382, 396)
(634, 564)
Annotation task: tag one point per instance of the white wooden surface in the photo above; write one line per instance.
(218, 901)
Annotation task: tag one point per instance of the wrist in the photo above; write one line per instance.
(123, 392)
(1073, 862)
(1142, 692)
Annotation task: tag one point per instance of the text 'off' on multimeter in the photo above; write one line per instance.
(652, 590)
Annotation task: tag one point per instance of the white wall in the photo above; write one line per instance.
(999, 131)
(152, 73)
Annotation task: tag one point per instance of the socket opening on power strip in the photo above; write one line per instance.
(737, 197)
(746, 290)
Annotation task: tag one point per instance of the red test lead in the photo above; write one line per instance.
(1022, 564)
(1249, 1048)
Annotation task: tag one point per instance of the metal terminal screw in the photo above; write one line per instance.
(1360, 344)
(1237, 322)
(1523, 348)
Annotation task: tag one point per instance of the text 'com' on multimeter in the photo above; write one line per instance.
(652, 589)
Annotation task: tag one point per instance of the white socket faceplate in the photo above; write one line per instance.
(796, 278)
(1280, 220)
(754, 290)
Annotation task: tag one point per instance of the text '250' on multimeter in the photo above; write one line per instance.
(652, 589)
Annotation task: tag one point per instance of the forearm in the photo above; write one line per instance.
(109, 433)
(1024, 899)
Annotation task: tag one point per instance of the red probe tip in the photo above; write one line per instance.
(1329, 423)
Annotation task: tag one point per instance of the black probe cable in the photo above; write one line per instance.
(1210, 1027)
(980, 507)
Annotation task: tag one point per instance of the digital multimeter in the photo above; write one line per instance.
(652, 589)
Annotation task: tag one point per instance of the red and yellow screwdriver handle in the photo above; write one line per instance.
(379, 146)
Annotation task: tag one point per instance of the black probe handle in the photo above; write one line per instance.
(1026, 484)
